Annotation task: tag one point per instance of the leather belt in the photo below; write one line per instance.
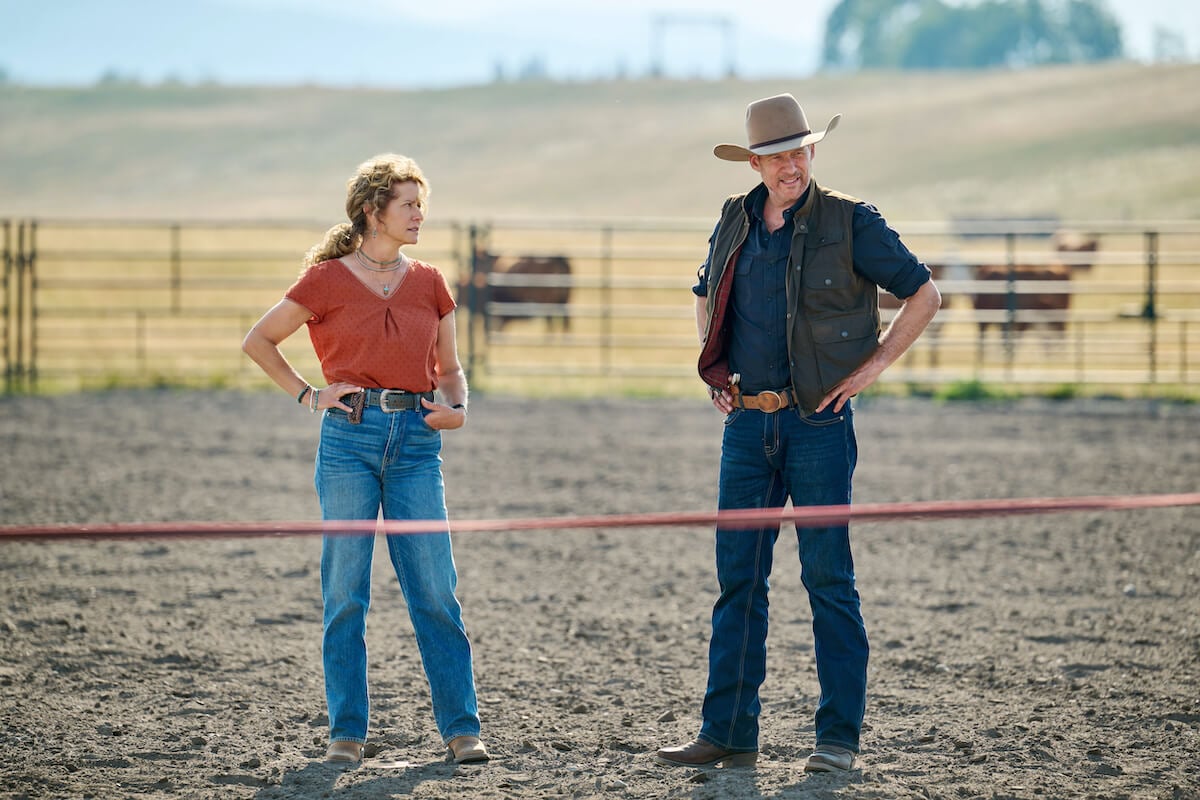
(392, 400)
(767, 402)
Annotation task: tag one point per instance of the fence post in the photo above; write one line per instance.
(606, 267)
(7, 260)
(31, 266)
(20, 269)
(1149, 311)
(1010, 303)
(472, 298)
(17, 345)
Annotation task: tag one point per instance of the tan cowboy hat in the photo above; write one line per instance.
(773, 125)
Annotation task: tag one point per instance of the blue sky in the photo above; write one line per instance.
(412, 45)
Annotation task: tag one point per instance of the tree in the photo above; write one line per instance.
(932, 34)
(855, 31)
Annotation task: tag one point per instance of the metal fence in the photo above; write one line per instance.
(590, 304)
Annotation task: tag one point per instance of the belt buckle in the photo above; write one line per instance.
(769, 402)
(383, 400)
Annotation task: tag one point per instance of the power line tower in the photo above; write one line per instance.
(662, 24)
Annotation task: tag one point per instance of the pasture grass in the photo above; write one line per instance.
(1107, 141)
(972, 390)
(617, 175)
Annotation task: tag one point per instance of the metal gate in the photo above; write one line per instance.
(19, 343)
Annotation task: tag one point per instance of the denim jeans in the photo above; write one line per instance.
(389, 461)
(765, 460)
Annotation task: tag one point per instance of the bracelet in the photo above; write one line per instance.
(300, 397)
(460, 405)
(314, 400)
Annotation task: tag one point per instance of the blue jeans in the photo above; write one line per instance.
(393, 462)
(765, 460)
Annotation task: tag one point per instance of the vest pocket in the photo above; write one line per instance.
(842, 343)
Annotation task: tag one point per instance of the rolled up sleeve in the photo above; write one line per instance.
(882, 258)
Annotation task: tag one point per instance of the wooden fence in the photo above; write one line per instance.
(101, 303)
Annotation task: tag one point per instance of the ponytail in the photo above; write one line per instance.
(339, 240)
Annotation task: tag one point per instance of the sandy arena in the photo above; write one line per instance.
(1047, 656)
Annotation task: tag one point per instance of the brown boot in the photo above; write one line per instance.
(699, 753)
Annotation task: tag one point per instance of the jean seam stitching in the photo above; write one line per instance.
(737, 698)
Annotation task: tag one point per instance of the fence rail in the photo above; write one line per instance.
(90, 303)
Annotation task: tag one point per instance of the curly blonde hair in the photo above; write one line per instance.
(370, 187)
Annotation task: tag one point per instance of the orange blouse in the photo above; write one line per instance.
(372, 341)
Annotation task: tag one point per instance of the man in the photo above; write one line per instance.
(788, 315)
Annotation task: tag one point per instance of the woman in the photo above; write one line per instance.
(382, 326)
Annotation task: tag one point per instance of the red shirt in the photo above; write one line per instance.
(372, 341)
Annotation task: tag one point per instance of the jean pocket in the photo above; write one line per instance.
(423, 428)
(822, 419)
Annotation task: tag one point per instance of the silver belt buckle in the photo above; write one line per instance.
(383, 400)
(769, 402)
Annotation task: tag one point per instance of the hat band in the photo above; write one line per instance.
(770, 142)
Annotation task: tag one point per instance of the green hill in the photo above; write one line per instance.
(1118, 141)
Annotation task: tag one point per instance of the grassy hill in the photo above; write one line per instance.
(1100, 142)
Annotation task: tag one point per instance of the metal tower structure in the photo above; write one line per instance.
(662, 24)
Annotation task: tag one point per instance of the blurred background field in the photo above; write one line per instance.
(147, 226)
(1104, 141)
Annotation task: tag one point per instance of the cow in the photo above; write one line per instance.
(524, 280)
(1074, 249)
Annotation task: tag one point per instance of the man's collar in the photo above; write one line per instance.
(756, 200)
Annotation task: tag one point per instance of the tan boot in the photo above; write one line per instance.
(344, 752)
(830, 758)
(467, 750)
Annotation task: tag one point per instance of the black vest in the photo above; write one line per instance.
(833, 312)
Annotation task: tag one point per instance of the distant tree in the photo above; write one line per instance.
(856, 31)
(534, 69)
(1169, 45)
(932, 34)
(112, 77)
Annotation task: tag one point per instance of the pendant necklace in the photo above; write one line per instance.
(384, 266)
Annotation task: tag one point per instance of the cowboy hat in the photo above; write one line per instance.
(774, 125)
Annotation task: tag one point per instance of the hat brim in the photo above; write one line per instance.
(735, 152)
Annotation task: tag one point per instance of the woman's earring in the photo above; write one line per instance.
(374, 232)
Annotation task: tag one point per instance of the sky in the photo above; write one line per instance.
(394, 44)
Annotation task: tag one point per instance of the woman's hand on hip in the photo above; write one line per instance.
(443, 417)
(331, 396)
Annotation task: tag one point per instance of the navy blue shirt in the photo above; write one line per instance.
(758, 342)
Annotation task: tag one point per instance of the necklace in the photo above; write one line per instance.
(389, 266)
(382, 266)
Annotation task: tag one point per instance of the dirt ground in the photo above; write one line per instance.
(1046, 656)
